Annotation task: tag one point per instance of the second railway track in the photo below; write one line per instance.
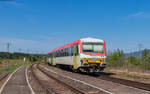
(134, 84)
(75, 90)
(45, 88)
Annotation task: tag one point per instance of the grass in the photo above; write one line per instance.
(9, 68)
(128, 75)
(11, 65)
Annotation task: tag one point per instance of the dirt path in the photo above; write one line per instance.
(17, 84)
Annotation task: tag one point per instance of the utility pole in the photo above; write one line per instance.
(8, 46)
(8, 49)
(140, 52)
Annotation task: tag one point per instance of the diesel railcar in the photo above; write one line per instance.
(86, 55)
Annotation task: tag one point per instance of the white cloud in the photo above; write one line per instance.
(136, 14)
(144, 15)
(16, 4)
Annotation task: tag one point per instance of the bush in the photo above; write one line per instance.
(116, 59)
(145, 62)
(133, 61)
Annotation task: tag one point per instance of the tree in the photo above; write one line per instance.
(145, 54)
(116, 59)
(132, 60)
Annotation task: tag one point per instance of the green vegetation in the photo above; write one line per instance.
(9, 68)
(117, 59)
(11, 65)
(16, 55)
(11, 61)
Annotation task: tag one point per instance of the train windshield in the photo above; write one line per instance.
(93, 47)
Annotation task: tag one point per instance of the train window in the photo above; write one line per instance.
(72, 50)
(69, 51)
(93, 47)
(65, 51)
(56, 53)
(61, 52)
(77, 50)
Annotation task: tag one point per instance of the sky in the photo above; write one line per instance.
(38, 26)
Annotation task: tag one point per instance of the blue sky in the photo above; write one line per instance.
(40, 25)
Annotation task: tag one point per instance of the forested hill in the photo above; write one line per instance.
(136, 53)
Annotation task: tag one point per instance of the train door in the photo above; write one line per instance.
(75, 56)
(52, 59)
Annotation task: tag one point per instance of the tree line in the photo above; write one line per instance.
(17, 55)
(118, 59)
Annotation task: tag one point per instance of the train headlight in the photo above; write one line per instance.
(100, 60)
(84, 60)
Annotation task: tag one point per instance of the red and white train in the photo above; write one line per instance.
(86, 55)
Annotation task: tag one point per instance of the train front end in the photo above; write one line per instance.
(92, 55)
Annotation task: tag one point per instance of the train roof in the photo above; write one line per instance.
(91, 40)
(72, 43)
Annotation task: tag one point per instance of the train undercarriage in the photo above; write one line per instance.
(92, 67)
(86, 68)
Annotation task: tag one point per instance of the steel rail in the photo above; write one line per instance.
(134, 84)
(48, 90)
(76, 90)
(3, 76)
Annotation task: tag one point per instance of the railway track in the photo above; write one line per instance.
(134, 84)
(3, 76)
(125, 82)
(48, 89)
(76, 90)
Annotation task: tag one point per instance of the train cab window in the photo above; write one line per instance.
(93, 47)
